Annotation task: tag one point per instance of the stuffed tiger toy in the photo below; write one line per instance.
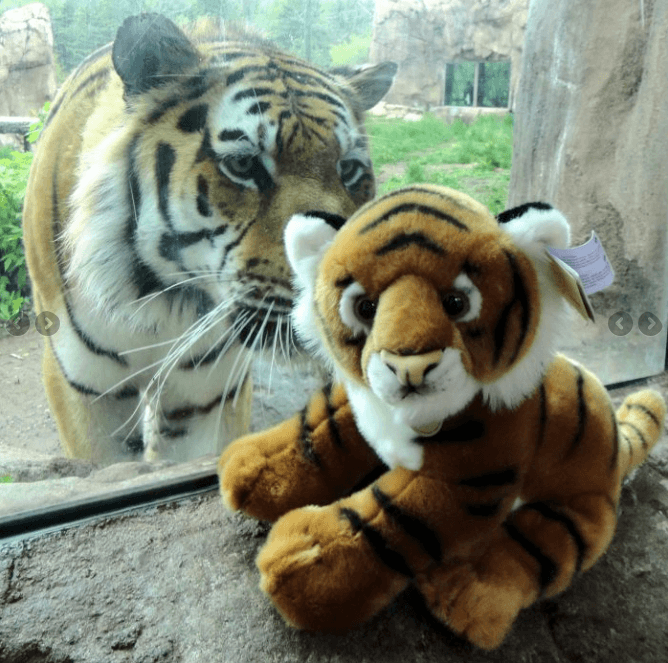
(456, 450)
(153, 225)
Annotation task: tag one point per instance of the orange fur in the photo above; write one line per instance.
(507, 505)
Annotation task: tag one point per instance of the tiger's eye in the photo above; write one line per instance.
(456, 304)
(365, 309)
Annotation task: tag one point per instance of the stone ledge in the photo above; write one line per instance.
(178, 583)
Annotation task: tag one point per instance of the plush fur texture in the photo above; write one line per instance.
(153, 227)
(492, 465)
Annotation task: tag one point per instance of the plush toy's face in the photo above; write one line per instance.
(423, 298)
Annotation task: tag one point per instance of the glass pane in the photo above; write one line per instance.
(628, 339)
(493, 84)
(459, 81)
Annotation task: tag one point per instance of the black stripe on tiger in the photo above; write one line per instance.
(187, 411)
(77, 386)
(100, 77)
(550, 513)
(406, 208)
(165, 158)
(391, 558)
(644, 410)
(173, 433)
(56, 223)
(127, 392)
(203, 205)
(194, 119)
(582, 414)
(484, 510)
(548, 569)
(344, 282)
(143, 277)
(232, 135)
(306, 441)
(253, 92)
(496, 479)
(88, 341)
(331, 417)
(412, 526)
(404, 240)
(519, 297)
(615, 439)
(516, 212)
(207, 357)
(637, 431)
(189, 90)
(417, 188)
(467, 431)
(258, 108)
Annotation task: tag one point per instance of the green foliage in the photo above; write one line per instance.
(37, 126)
(474, 159)
(14, 167)
(6, 479)
(351, 52)
(307, 28)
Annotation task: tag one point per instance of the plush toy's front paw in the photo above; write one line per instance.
(247, 481)
(320, 574)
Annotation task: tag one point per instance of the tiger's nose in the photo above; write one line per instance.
(411, 370)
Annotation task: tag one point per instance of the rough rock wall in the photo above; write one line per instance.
(422, 36)
(27, 70)
(591, 136)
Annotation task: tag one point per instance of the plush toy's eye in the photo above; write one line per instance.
(365, 309)
(456, 304)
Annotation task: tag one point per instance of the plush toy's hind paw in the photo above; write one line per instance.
(484, 614)
(320, 574)
(479, 603)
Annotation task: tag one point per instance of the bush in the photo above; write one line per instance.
(14, 168)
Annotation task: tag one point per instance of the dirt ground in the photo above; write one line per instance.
(25, 419)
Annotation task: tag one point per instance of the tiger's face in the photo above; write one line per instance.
(423, 300)
(210, 160)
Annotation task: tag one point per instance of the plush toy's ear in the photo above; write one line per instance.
(307, 237)
(536, 227)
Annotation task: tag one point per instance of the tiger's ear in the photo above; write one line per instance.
(307, 237)
(149, 50)
(370, 84)
(536, 227)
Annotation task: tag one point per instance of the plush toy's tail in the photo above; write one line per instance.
(641, 419)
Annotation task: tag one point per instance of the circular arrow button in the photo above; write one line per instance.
(47, 323)
(19, 325)
(620, 323)
(649, 324)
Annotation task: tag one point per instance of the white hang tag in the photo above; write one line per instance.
(590, 262)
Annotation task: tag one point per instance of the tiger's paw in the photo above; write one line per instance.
(320, 575)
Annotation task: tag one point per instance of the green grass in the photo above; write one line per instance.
(6, 479)
(483, 149)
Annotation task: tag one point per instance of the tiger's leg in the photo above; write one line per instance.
(104, 429)
(189, 421)
(536, 553)
(313, 458)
